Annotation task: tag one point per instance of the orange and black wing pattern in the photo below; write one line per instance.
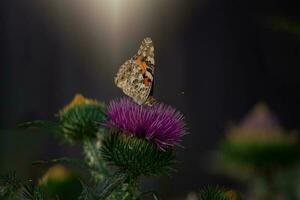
(135, 76)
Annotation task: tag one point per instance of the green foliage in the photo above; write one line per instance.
(67, 188)
(94, 160)
(106, 188)
(216, 193)
(32, 192)
(260, 161)
(148, 193)
(131, 156)
(52, 127)
(64, 161)
(77, 123)
(262, 154)
(10, 186)
(13, 188)
(118, 186)
(126, 191)
(87, 193)
(80, 121)
(136, 155)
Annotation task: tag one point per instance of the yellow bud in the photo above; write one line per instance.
(232, 195)
(79, 100)
(57, 172)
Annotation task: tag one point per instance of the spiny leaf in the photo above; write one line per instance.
(32, 192)
(47, 125)
(65, 160)
(10, 185)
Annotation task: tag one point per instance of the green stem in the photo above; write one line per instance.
(269, 189)
(148, 193)
(111, 184)
(131, 190)
(93, 157)
(272, 190)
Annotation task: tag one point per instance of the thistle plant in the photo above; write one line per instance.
(141, 140)
(78, 122)
(12, 187)
(121, 143)
(258, 150)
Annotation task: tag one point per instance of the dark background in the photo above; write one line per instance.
(215, 60)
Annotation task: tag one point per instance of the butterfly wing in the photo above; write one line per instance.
(135, 76)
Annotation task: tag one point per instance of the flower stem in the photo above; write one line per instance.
(148, 193)
(94, 160)
(112, 183)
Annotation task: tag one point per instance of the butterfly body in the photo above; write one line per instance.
(135, 76)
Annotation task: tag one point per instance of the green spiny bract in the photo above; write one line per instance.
(217, 193)
(77, 120)
(80, 121)
(136, 155)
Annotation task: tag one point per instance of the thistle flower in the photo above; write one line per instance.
(160, 124)
(142, 137)
(78, 118)
(260, 124)
(259, 142)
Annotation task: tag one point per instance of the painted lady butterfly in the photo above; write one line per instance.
(135, 76)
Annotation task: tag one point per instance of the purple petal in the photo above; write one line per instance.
(160, 123)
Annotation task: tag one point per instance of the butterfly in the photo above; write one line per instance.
(135, 76)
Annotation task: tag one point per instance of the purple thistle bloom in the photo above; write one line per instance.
(159, 123)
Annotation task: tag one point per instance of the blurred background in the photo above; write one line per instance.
(214, 60)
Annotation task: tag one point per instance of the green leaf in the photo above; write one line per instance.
(69, 161)
(52, 127)
(75, 124)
